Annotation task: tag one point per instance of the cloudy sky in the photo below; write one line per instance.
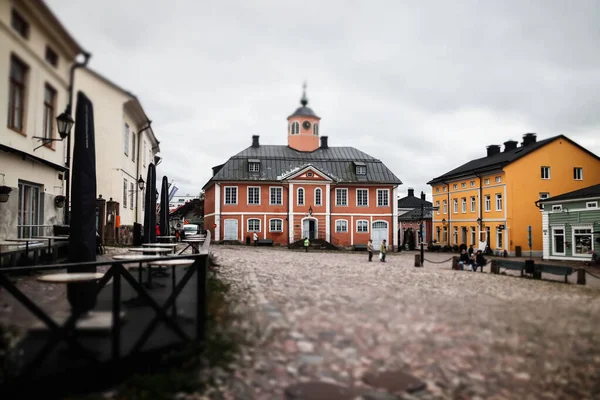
(422, 85)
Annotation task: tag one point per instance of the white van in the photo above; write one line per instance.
(190, 229)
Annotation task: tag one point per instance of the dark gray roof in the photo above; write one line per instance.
(412, 202)
(304, 111)
(587, 192)
(500, 160)
(277, 162)
(414, 215)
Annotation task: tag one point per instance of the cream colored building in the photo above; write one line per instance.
(125, 144)
(36, 53)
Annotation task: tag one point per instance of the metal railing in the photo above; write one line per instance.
(28, 231)
(117, 353)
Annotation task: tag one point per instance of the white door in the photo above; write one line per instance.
(230, 230)
(379, 232)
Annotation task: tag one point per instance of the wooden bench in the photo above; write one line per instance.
(264, 242)
(555, 270)
(361, 247)
(507, 264)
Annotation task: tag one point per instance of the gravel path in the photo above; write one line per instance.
(334, 317)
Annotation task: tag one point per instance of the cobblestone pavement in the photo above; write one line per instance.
(334, 317)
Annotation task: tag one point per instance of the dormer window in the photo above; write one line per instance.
(360, 168)
(254, 165)
(316, 129)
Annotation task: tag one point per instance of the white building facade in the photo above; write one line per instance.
(36, 54)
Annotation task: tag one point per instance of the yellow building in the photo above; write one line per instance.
(494, 199)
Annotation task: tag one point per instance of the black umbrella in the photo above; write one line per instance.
(82, 238)
(164, 207)
(150, 210)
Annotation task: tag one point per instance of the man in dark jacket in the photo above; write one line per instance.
(463, 260)
(480, 261)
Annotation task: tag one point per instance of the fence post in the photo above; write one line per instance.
(455, 262)
(581, 276)
(417, 260)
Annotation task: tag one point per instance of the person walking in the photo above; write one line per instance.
(255, 237)
(382, 251)
(306, 244)
(370, 249)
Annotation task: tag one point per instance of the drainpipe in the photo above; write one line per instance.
(287, 188)
(137, 168)
(449, 214)
(480, 213)
(74, 66)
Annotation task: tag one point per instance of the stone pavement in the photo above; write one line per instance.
(337, 319)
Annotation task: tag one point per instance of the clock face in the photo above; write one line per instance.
(306, 125)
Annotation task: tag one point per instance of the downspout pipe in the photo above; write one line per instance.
(287, 188)
(137, 167)
(74, 66)
(480, 213)
(449, 214)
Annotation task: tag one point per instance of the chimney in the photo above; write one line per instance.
(510, 145)
(493, 149)
(411, 192)
(255, 141)
(324, 144)
(529, 138)
(422, 195)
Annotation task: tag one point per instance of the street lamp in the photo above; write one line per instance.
(310, 211)
(423, 208)
(64, 123)
(141, 183)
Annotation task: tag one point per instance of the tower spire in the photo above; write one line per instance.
(304, 100)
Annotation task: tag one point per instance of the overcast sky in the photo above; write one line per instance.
(422, 85)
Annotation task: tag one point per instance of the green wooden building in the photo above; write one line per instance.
(571, 225)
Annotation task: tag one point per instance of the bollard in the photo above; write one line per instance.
(417, 260)
(581, 276)
(455, 262)
(494, 267)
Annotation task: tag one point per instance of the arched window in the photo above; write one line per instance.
(315, 129)
(295, 128)
(300, 196)
(318, 196)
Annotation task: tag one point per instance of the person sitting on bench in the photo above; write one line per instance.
(463, 260)
(480, 261)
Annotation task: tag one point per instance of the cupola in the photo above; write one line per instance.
(303, 127)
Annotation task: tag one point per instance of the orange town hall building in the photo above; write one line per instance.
(304, 189)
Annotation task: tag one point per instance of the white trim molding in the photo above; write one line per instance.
(328, 212)
(217, 212)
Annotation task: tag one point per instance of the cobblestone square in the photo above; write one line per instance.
(333, 317)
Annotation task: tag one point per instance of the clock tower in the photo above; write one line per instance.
(303, 127)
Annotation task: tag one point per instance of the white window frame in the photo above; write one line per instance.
(320, 198)
(472, 183)
(582, 226)
(252, 220)
(387, 193)
(445, 189)
(437, 204)
(544, 195)
(126, 139)
(455, 186)
(316, 129)
(463, 185)
(338, 191)
(591, 204)
(253, 167)
(225, 195)
(248, 195)
(545, 172)
(445, 235)
(361, 170)
(498, 179)
(271, 220)
(473, 204)
(437, 190)
(294, 128)
(363, 222)
(487, 200)
(499, 238)
(473, 235)
(463, 205)
(486, 181)
(357, 198)
(455, 206)
(499, 202)
(271, 190)
(557, 207)
(131, 193)
(455, 235)
(553, 235)
(125, 193)
(345, 223)
(445, 206)
(578, 173)
(298, 197)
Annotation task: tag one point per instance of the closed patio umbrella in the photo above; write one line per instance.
(82, 238)
(164, 207)
(150, 209)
